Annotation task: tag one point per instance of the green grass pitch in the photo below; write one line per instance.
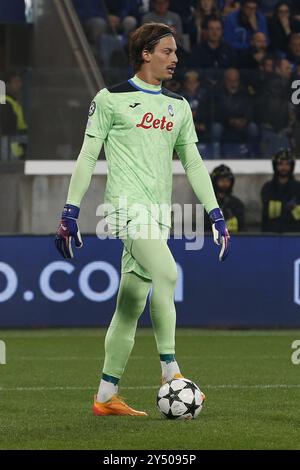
(252, 389)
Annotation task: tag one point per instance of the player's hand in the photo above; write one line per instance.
(68, 230)
(220, 232)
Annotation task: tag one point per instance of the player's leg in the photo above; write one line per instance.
(155, 256)
(119, 341)
(120, 336)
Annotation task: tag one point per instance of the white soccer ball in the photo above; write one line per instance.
(180, 399)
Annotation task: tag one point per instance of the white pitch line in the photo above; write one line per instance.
(71, 358)
(151, 387)
(97, 358)
(68, 388)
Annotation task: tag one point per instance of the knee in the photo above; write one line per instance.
(136, 299)
(167, 277)
(173, 275)
(132, 304)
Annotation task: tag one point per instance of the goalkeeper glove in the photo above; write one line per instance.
(68, 230)
(220, 232)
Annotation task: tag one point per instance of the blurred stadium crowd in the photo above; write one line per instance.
(280, 197)
(237, 61)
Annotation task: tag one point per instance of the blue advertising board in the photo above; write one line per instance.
(257, 286)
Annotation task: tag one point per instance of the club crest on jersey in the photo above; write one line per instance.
(92, 108)
(148, 121)
(171, 110)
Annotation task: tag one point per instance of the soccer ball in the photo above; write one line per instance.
(180, 399)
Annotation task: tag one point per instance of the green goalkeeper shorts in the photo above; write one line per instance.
(129, 229)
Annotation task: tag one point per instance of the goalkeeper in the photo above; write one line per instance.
(140, 123)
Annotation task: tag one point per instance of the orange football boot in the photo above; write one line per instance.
(115, 406)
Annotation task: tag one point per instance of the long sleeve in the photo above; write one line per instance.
(98, 126)
(84, 168)
(197, 175)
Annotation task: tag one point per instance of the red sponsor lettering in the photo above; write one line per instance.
(148, 121)
(156, 123)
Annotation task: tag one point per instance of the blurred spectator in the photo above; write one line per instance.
(293, 55)
(228, 6)
(296, 9)
(196, 93)
(232, 207)
(274, 108)
(213, 52)
(256, 80)
(267, 65)
(281, 196)
(119, 60)
(138, 8)
(12, 11)
(120, 16)
(283, 69)
(92, 16)
(12, 121)
(99, 17)
(204, 10)
(251, 58)
(296, 72)
(235, 118)
(240, 25)
(162, 14)
(173, 85)
(182, 54)
(191, 90)
(281, 26)
(185, 10)
(267, 7)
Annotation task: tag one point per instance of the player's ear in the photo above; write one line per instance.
(146, 56)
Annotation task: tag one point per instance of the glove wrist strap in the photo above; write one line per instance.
(215, 215)
(70, 211)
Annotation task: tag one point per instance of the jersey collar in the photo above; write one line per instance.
(139, 84)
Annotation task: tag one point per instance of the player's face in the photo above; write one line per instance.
(163, 59)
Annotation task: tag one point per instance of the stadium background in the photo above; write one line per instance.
(48, 375)
(63, 60)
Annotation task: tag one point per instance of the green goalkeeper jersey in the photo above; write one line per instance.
(140, 125)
